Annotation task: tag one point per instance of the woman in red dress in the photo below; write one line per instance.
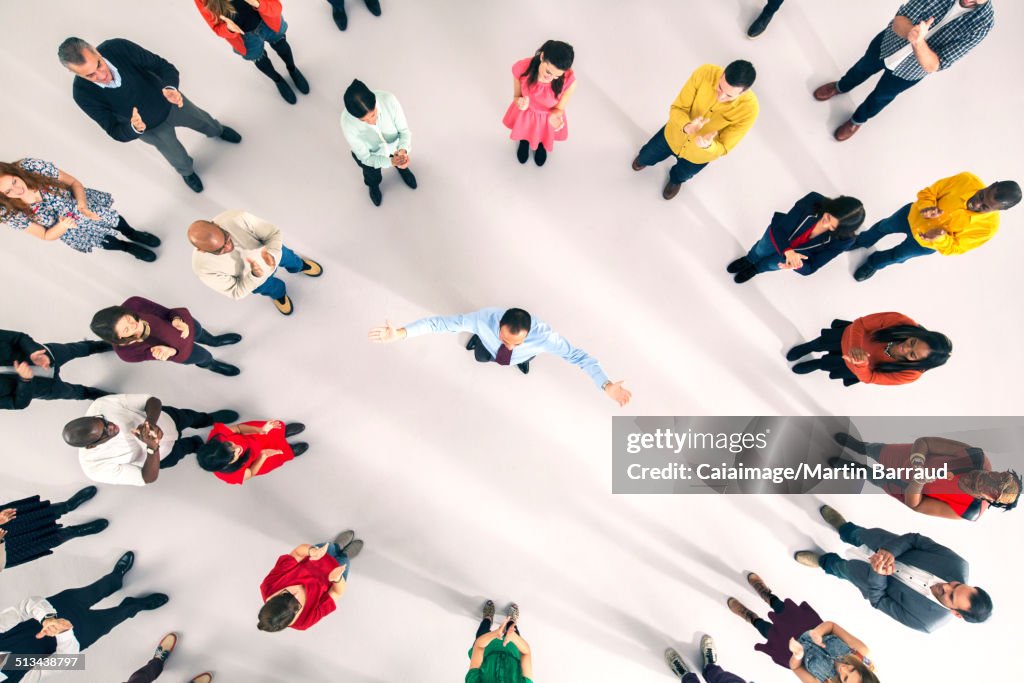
(237, 453)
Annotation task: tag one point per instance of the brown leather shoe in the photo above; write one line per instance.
(826, 92)
(758, 584)
(637, 166)
(742, 612)
(845, 131)
(671, 190)
(206, 677)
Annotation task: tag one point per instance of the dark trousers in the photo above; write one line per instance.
(165, 139)
(713, 674)
(75, 605)
(485, 627)
(148, 673)
(772, 6)
(371, 176)
(184, 419)
(200, 356)
(657, 150)
(896, 224)
(763, 625)
(54, 388)
(885, 90)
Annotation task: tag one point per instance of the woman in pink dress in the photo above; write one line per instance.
(236, 453)
(542, 86)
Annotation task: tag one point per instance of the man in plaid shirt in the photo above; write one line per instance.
(925, 36)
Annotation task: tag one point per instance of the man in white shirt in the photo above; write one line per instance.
(65, 623)
(913, 579)
(129, 438)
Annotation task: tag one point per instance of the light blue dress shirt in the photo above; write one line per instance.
(374, 145)
(116, 82)
(485, 324)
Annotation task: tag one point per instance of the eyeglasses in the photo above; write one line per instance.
(225, 244)
(107, 431)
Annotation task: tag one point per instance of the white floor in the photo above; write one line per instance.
(470, 482)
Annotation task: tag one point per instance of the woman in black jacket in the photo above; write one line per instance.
(815, 231)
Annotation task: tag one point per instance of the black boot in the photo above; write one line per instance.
(523, 151)
(744, 275)
(407, 177)
(540, 156)
(801, 350)
(225, 339)
(373, 6)
(742, 263)
(144, 238)
(760, 24)
(135, 250)
(222, 368)
(75, 501)
(807, 366)
(340, 17)
(88, 529)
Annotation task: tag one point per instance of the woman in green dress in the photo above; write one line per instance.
(501, 655)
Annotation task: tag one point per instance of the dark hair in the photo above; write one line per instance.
(1009, 506)
(517, 320)
(849, 211)
(740, 74)
(104, 322)
(939, 343)
(560, 55)
(981, 607)
(359, 100)
(34, 181)
(216, 456)
(70, 51)
(1007, 193)
(278, 612)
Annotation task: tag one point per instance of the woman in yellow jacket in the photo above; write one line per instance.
(712, 113)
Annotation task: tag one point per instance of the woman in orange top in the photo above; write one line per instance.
(881, 348)
(249, 26)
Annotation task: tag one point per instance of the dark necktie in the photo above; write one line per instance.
(504, 356)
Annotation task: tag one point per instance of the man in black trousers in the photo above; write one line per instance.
(31, 370)
(764, 18)
(133, 94)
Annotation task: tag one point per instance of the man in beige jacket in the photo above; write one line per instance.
(238, 254)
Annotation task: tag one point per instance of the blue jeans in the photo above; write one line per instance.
(273, 287)
(763, 254)
(885, 91)
(255, 41)
(657, 150)
(896, 224)
(335, 551)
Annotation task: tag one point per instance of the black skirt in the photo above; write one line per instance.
(33, 533)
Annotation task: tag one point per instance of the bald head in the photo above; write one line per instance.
(210, 238)
(84, 432)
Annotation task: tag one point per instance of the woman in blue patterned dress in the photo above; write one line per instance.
(49, 204)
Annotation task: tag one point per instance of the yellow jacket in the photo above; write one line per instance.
(965, 230)
(699, 97)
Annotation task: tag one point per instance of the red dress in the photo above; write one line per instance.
(253, 443)
(946, 490)
(312, 576)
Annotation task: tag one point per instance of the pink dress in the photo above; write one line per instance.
(532, 125)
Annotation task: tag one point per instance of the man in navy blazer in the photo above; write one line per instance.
(133, 94)
(913, 579)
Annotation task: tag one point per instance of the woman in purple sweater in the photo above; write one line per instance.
(142, 330)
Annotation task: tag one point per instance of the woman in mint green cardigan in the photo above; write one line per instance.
(501, 655)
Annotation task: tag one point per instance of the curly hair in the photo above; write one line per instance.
(33, 181)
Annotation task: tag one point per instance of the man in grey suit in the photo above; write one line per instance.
(913, 579)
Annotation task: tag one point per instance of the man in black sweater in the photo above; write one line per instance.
(30, 370)
(133, 94)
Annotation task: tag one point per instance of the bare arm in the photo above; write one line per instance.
(517, 89)
(52, 233)
(77, 189)
(301, 552)
(901, 26)
(563, 101)
(936, 445)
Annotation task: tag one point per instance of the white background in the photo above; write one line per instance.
(473, 481)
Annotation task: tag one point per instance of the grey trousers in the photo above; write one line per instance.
(166, 141)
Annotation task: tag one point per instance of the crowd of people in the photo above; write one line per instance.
(133, 94)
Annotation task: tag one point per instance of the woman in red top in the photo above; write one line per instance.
(970, 489)
(249, 449)
(304, 585)
(881, 348)
(141, 330)
(247, 26)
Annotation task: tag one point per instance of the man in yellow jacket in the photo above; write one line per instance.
(712, 113)
(951, 217)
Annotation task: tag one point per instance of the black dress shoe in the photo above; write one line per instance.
(375, 195)
(293, 428)
(523, 151)
(287, 94)
(340, 18)
(744, 275)
(138, 252)
(799, 351)
(124, 563)
(193, 182)
(760, 24)
(225, 339)
(807, 366)
(373, 6)
(540, 156)
(145, 238)
(222, 368)
(864, 272)
(222, 416)
(231, 135)
(152, 601)
(408, 177)
(301, 84)
(299, 448)
(473, 342)
(524, 367)
(75, 501)
(739, 264)
(87, 529)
